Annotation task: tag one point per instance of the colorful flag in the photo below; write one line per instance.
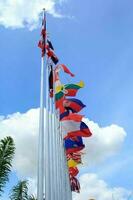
(73, 116)
(69, 89)
(64, 68)
(75, 156)
(72, 145)
(50, 52)
(64, 90)
(72, 163)
(73, 128)
(42, 41)
(72, 89)
(73, 171)
(65, 113)
(59, 97)
(74, 105)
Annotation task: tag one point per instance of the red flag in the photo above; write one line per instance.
(64, 68)
(73, 171)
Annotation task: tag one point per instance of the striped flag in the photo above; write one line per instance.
(75, 128)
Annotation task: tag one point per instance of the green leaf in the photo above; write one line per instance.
(7, 150)
(20, 191)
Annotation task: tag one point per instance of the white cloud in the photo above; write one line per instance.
(23, 127)
(95, 188)
(24, 130)
(21, 13)
(105, 142)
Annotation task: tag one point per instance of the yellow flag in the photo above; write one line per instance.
(72, 163)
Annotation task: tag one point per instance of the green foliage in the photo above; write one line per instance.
(20, 191)
(32, 198)
(7, 150)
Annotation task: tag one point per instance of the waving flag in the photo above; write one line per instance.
(73, 171)
(75, 156)
(65, 113)
(42, 41)
(73, 128)
(64, 68)
(50, 52)
(72, 145)
(73, 116)
(59, 97)
(74, 105)
(69, 89)
(72, 163)
(72, 89)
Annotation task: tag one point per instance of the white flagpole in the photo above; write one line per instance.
(51, 150)
(55, 147)
(47, 142)
(40, 183)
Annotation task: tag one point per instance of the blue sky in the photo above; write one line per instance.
(96, 42)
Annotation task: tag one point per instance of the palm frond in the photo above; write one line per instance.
(20, 191)
(32, 197)
(7, 150)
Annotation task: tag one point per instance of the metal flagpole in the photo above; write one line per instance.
(55, 153)
(56, 148)
(47, 142)
(51, 147)
(40, 183)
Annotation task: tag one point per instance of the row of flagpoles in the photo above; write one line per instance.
(61, 128)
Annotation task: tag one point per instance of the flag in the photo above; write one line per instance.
(64, 68)
(73, 116)
(65, 113)
(50, 44)
(50, 52)
(71, 163)
(75, 186)
(51, 81)
(73, 145)
(73, 128)
(71, 89)
(52, 55)
(59, 97)
(68, 89)
(42, 41)
(76, 156)
(73, 171)
(74, 105)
